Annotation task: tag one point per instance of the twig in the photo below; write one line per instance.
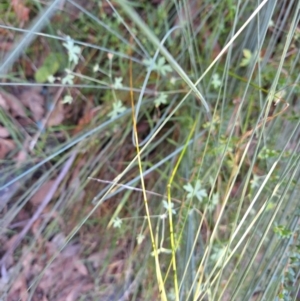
(133, 188)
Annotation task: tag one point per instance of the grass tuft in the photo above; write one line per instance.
(149, 150)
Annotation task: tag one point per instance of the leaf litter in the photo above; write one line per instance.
(21, 11)
(69, 276)
(34, 101)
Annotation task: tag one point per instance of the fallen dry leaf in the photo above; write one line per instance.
(35, 229)
(18, 290)
(57, 116)
(32, 99)
(58, 241)
(4, 133)
(84, 121)
(8, 245)
(64, 275)
(27, 259)
(60, 282)
(39, 196)
(11, 241)
(21, 11)
(75, 180)
(5, 46)
(22, 156)
(80, 267)
(97, 259)
(6, 145)
(73, 294)
(3, 103)
(65, 279)
(12, 103)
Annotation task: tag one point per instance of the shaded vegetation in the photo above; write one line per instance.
(149, 150)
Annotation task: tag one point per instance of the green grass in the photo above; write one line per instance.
(189, 119)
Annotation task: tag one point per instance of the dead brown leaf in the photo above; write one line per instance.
(84, 121)
(64, 277)
(32, 99)
(62, 281)
(8, 245)
(39, 196)
(57, 116)
(6, 145)
(5, 46)
(80, 267)
(10, 102)
(58, 241)
(4, 133)
(73, 295)
(27, 259)
(21, 11)
(3, 103)
(22, 155)
(11, 241)
(18, 290)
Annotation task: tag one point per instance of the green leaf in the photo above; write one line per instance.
(282, 231)
(216, 83)
(118, 83)
(218, 252)
(96, 68)
(247, 58)
(160, 66)
(42, 74)
(73, 50)
(162, 99)
(213, 202)
(140, 238)
(118, 108)
(117, 222)
(169, 207)
(51, 79)
(247, 53)
(52, 64)
(196, 191)
(68, 99)
(255, 182)
(68, 79)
